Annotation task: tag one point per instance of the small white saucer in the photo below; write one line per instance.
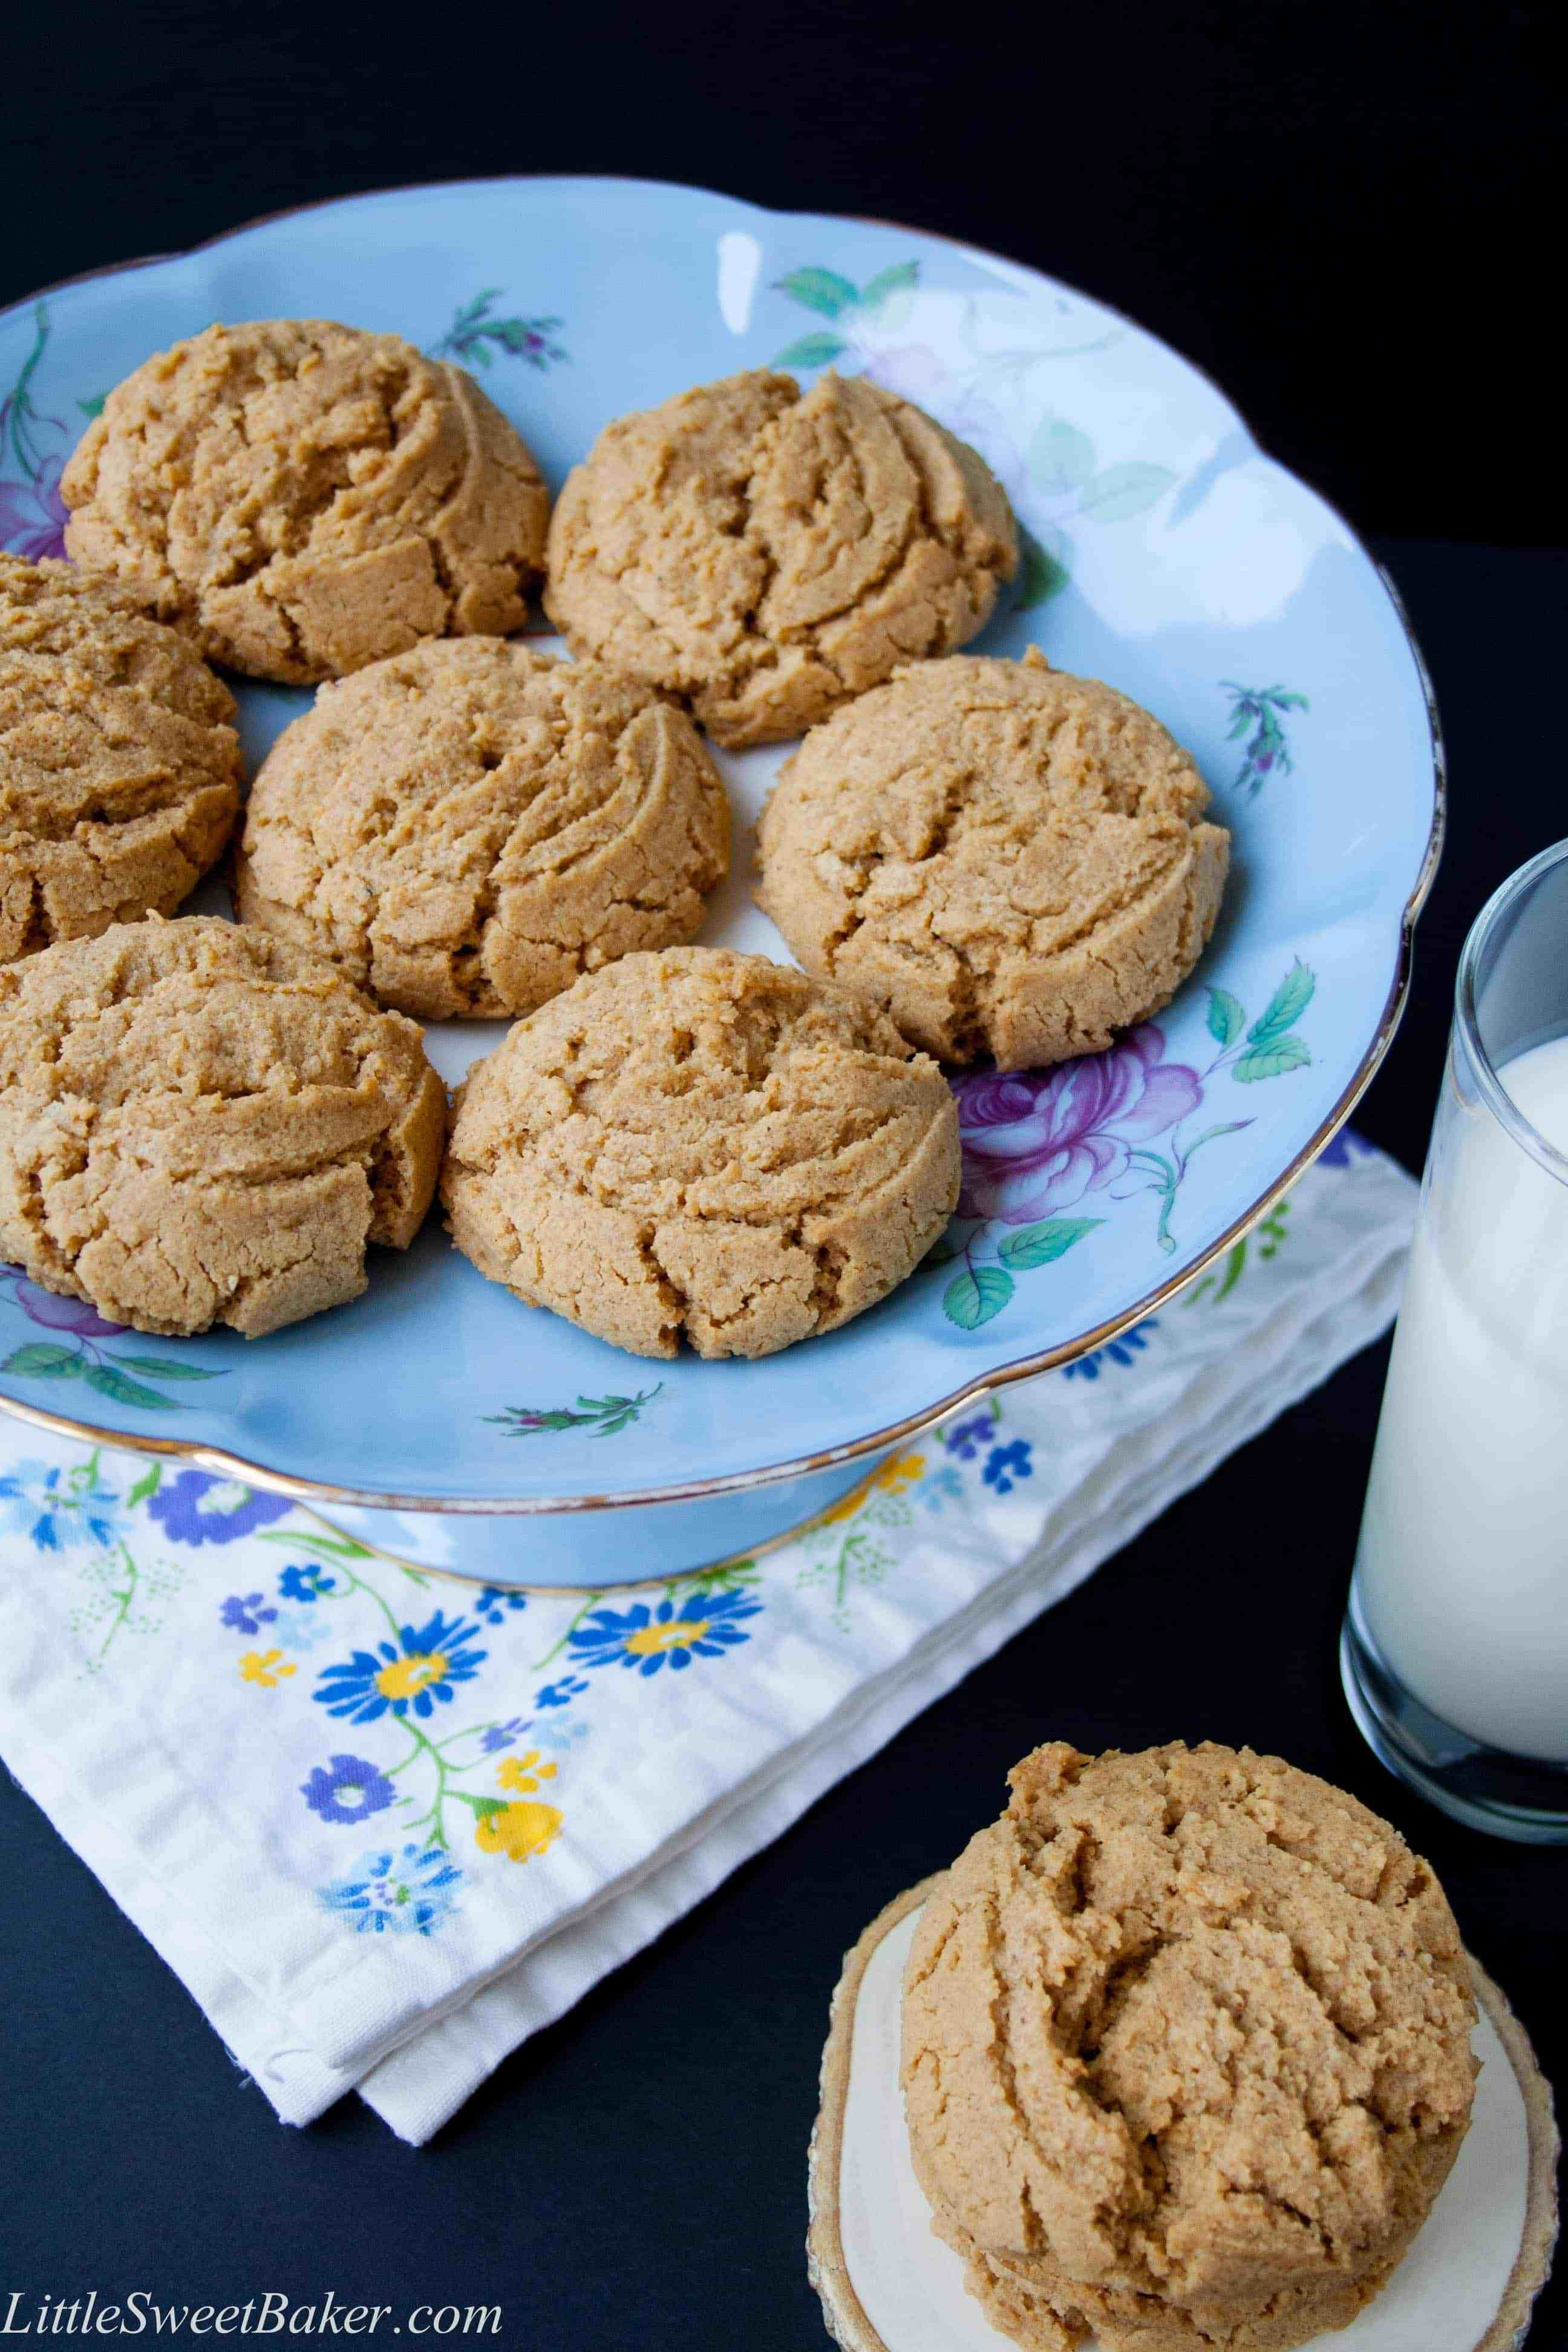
(889, 2284)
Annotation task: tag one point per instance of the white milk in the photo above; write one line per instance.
(1462, 1572)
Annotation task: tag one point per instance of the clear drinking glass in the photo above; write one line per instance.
(1455, 1652)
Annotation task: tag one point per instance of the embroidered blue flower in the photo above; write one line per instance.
(561, 1693)
(306, 1583)
(420, 1668)
(1004, 1464)
(560, 1733)
(940, 1486)
(245, 1613)
(195, 1507)
(494, 1602)
(705, 1626)
(498, 1736)
(965, 1438)
(1121, 1350)
(399, 1891)
(57, 1510)
(347, 1789)
(303, 1629)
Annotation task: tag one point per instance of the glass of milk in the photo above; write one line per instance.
(1455, 1653)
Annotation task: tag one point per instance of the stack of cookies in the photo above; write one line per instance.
(970, 857)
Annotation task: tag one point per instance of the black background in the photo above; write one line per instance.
(1350, 215)
(1350, 212)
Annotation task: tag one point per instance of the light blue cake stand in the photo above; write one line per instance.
(437, 1418)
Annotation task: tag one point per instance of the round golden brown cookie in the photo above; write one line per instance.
(199, 1125)
(305, 498)
(1010, 861)
(1187, 2052)
(469, 827)
(120, 772)
(767, 555)
(701, 1145)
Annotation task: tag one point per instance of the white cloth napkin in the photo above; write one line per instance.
(383, 1827)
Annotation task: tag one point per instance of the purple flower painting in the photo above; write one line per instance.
(1049, 1153)
(1036, 1142)
(33, 515)
(33, 451)
(53, 1313)
(76, 1352)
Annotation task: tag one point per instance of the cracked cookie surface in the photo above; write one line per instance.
(199, 1125)
(1187, 2052)
(304, 497)
(469, 827)
(1008, 860)
(767, 555)
(120, 771)
(705, 1146)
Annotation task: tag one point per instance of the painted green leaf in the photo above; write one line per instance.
(1269, 1061)
(820, 289)
(810, 351)
(1040, 1244)
(1061, 459)
(109, 1381)
(900, 280)
(146, 1486)
(42, 1361)
(1122, 492)
(1043, 570)
(94, 407)
(1286, 1006)
(1228, 1017)
(1225, 1127)
(977, 1294)
(167, 1369)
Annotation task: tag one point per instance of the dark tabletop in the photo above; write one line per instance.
(1344, 250)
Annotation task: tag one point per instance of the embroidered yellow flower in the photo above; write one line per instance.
(653, 1641)
(524, 1773)
(520, 1832)
(407, 1677)
(905, 1472)
(265, 1668)
(891, 1478)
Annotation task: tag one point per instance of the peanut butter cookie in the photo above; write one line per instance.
(466, 828)
(305, 498)
(119, 769)
(1010, 861)
(1186, 2052)
(701, 1145)
(199, 1125)
(767, 555)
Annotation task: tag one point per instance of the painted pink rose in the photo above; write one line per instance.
(1035, 1141)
